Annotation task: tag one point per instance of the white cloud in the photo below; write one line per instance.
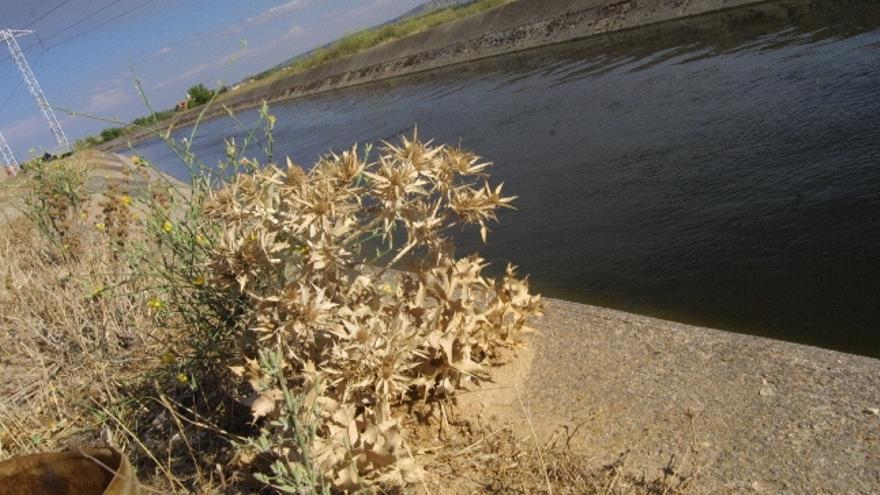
(162, 51)
(24, 129)
(276, 11)
(106, 100)
(113, 82)
(296, 31)
(269, 14)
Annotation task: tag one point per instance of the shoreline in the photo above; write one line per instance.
(517, 26)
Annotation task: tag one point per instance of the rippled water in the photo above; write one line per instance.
(722, 171)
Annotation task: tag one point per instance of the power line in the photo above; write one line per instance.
(84, 19)
(102, 24)
(18, 55)
(81, 21)
(20, 82)
(53, 9)
(11, 94)
(68, 28)
(9, 36)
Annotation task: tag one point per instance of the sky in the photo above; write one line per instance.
(85, 53)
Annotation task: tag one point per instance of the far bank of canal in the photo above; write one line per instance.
(721, 170)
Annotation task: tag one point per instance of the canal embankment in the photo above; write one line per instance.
(517, 26)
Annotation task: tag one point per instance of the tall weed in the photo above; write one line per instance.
(56, 200)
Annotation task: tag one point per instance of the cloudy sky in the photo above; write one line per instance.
(82, 52)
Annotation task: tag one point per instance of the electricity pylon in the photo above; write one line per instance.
(7, 155)
(9, 35)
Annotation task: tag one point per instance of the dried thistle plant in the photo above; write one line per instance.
(355, 290)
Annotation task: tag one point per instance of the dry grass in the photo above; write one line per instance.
(65, 338)
(85, 353)
(251, 339)
(467, 454)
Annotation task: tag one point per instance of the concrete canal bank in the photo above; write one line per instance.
(730, 413)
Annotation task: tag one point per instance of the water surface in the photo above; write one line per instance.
(721, 171)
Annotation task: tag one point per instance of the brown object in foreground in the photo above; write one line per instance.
(103, 471)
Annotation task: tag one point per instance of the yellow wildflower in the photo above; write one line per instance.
(155, 303)
(98, 291)
(100, 226)
(201, 241)
(199, 281)
(182, 378)
(168, 358)
(168, 227)
(125, 200)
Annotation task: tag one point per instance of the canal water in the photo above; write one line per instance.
(721, 171)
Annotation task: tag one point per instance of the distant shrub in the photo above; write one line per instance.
(87, 142)
(199, 95)
(154, 117)
(111, 133)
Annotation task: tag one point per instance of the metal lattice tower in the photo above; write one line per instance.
(7, 155)
(9, 35)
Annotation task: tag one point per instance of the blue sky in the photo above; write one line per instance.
(84, 48)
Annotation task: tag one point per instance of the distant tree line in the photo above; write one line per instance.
(197, 96)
